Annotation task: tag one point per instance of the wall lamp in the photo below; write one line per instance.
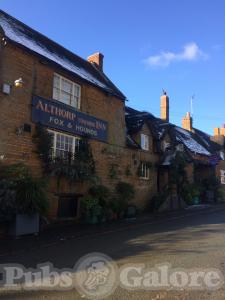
(19, 83)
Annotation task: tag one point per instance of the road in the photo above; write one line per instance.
(192, 241)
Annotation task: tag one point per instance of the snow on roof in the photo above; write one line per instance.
(185, 137)
(183, 131)
(168, 159)
(160, 133)
(19, 33)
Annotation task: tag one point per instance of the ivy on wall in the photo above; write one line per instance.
(79, 166)
(113, 171)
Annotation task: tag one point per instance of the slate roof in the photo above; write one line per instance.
(31, 40)
(197, 142)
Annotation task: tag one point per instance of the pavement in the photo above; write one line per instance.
(194, 238)
(60, 232)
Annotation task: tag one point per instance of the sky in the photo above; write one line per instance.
(148, 45)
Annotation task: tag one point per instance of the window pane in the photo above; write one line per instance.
(56, 82)
(66, 86)
(76, 90)
(74, 102)
(56, 94)
(144, 142)
(65, 98)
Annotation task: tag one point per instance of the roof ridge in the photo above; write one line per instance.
(60, 50)
(42, 35)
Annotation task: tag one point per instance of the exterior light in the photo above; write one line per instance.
(19, 83)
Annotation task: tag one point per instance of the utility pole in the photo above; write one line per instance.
(192, 109)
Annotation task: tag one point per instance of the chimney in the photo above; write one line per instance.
(219, 135)
(216, 131)
(97, 59)
(164, 107)
(222, 130)
(187, 122)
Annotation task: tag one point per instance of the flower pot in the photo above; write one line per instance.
(92, 219)
(24, 224)
(195, 200)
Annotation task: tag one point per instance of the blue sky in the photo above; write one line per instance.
(178, 45)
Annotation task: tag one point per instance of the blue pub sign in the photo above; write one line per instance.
(60, 116)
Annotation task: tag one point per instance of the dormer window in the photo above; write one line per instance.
(144, 142)
(66, 91)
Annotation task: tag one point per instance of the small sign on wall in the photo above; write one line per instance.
(222, 176)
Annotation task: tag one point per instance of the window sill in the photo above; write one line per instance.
(66, 104)
(143, 178)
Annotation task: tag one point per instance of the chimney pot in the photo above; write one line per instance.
(97, 59)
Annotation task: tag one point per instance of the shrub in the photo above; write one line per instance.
(31, 196)
(7, 201)
(20, 192)
(189, 192)
(101, 192)
(90, 206)
(125, 191)
(220, 195)
(117, 205)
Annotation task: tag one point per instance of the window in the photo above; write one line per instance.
(144, 142)
(66, 91)
(64, 144)
(144, 170)
(222, 174)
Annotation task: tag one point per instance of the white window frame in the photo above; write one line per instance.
(71, 95)
(222, 176)
(75, 138)
(145, 171)
(144, 142)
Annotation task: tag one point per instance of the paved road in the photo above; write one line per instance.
(196, 241)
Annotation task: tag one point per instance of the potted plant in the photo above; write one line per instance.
(91, 209)
(102, 193)
(31, 203)
(125, 193)
(23, 199)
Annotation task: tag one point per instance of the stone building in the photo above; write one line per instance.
(204, 154)
(42, 82)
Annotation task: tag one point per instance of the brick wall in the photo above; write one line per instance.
(15, 110)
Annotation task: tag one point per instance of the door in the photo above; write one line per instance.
(68, 206)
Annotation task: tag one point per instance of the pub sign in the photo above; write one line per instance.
(60, 116)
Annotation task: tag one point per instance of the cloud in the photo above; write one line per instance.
(191, 52)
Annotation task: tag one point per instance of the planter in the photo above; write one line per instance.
(195, 200)
(92, 219)
(24, 224)
(131, 212)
